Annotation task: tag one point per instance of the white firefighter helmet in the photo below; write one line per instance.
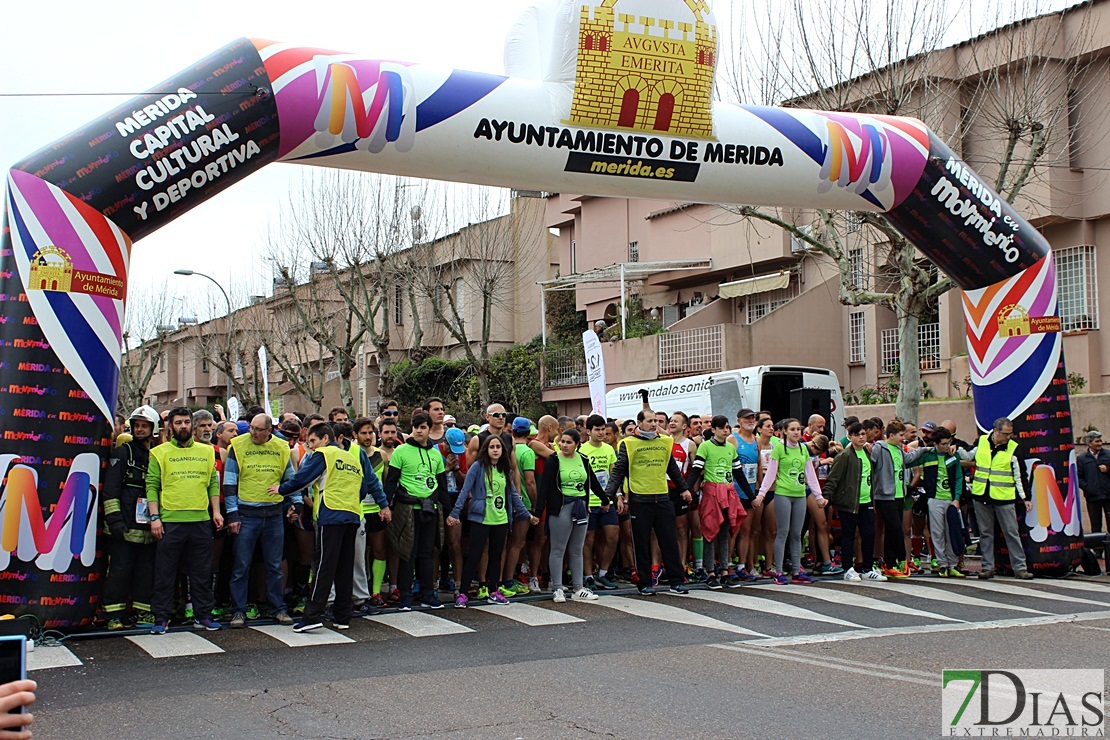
(146, 413)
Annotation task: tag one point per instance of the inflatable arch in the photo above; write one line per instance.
(615, 101)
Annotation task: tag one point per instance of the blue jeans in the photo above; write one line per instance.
(271, 531)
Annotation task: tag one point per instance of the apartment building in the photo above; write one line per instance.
(733, 292)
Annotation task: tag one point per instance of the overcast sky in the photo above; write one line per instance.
(66, 62)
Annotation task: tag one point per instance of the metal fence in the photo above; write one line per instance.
(564, 367)
(691, 351)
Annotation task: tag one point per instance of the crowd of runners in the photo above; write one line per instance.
(310, 519)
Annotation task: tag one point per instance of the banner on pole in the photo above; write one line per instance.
(265, 370)
(595, 370)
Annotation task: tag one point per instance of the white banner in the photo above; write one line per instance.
(265, 370)
(233, 409)
(595, 370)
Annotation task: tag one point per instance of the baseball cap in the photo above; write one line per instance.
(473, 429)
(929, 426)
(448, 418)
(521, 425)
(743, 413)
(244, 427)
(456, 438)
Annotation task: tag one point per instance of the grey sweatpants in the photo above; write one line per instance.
(790, 513)
(938, 528)
(718, 549)
(1006, 516)
(563, 533)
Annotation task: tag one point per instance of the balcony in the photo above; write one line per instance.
(691, 352)
(564, 367)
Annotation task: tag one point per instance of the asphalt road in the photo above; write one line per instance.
(830, 660)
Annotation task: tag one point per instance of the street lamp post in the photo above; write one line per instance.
(188, 273)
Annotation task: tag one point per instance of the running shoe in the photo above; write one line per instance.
(732, 580)
(208, 624)
(144, 619)
(585, 594)
(656, 572)
(605, 584)
(283, 619)
(159, 627)
(496, 597)
(376, 601)
(852, 575)
(298, 608)
(341, 625)
(801, 579)
(986, 575)
(534, 584)
(782, 580)
(306, 626)
(447, 584)
(558, 596)
(432, 602)
(701, 575)
(188, 611)
(679, 589)
(941, 572)
(115, 623)
(646, 591)
(519, 589)
(253, 612)
(714, 583)
(365, 610)
(591, 583)
(220, 611)
(934, 563)
(893, 573)
(395, 595)
(953, 573)
(238, 621)
(461, 602)
(828, 569)
(872, 575)
(505, 592)
(405, 605)
(483, 593)
(417, 587)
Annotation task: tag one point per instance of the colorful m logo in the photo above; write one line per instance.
(385, 112)
(70, 530)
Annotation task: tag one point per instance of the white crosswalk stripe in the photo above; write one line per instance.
(420, 624)
(1010, 588)
(1075, 585)
(51, 656)
(840, 596)
(650, 609)
(533, 616)
(767, 606)
(174, 644)
(943, 595)
(302, 639)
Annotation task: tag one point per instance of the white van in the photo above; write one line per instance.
(782, 390)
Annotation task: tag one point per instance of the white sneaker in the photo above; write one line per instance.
(534, 585)
(851, 575)
(559, 596)
(874, 575)
(585, 594)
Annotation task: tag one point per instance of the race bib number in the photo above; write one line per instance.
(749, 473)
(142, 514)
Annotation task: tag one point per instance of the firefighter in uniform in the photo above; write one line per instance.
(130, 545)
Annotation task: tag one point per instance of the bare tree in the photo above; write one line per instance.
(148, 315)
(1009, 100)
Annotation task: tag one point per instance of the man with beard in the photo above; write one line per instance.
(183, 498)
(204, 426)
(130, 546)
(371, 533)
(389, 438)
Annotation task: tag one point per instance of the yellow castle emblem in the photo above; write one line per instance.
(51, 269)
(646, 74)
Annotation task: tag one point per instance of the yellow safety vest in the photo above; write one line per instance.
(996, 470)
(260, 466)
(648, 460)
(341, 483)
(186, 472)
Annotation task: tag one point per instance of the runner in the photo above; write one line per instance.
(453, 449)
(375, 527)
(790, 470)
(489, 496)
(543, 445)
(604, 529)
(371, 530)
(566, 480)
(888, 464)
(415, 485)
(747, 449)
(518, 533)
(686, 514)
(715, 467)
(848, 488)
(942, 482)
(768, 524)
(644, 461)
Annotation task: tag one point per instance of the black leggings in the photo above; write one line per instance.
(425, 536)
(894, 542)
(864, 520)
(495, 534)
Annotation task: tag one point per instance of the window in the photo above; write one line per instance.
(573, 257)
(398, 304)
(761, 304)
(889, 351)
(1073, 130)
(634, 251)
(856, 335)
(1077, 284)
(204, 365)
(439, 293)
(460, 297)
(856, 268)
